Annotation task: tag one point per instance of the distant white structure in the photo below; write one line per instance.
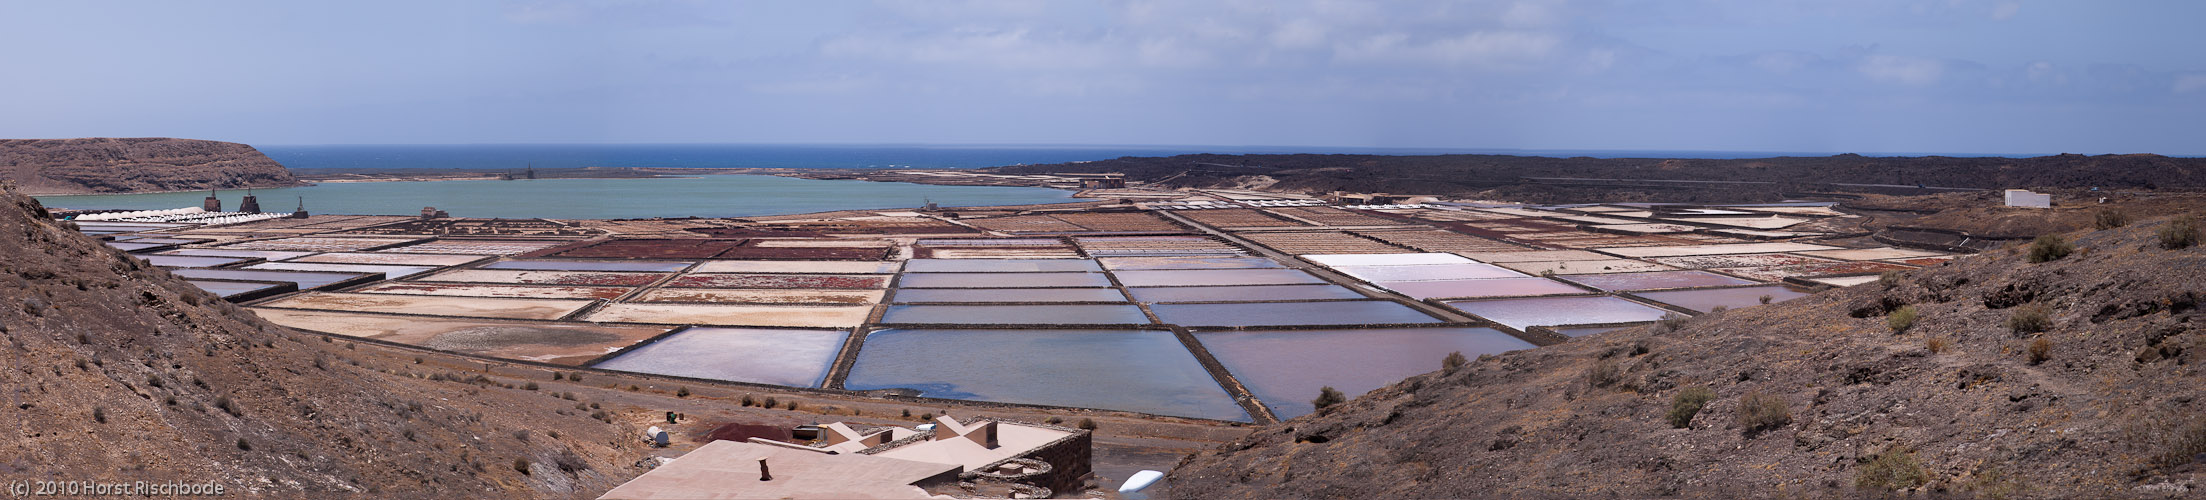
(656, 436)
(2026, 199)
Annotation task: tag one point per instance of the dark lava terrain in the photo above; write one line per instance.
(2102, 398)
(1504, 177)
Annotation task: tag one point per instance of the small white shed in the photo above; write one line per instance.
(2026, 199)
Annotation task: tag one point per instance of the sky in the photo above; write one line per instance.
(1865, 76)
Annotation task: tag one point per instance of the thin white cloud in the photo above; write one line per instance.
(1887, 68)
(2190, 83)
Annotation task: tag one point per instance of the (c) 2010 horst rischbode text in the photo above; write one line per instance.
(43, 488)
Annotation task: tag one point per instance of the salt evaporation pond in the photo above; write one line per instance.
(1707, 299)
(227, 289)
(188, 261)
(1469, 271)
(1216, 277)
(1254, 293)
(391, 272)
(1285, 368)
(1624, 282)
(1002, 280)
(791, 357)
(1357, 312)
(572, 265)
(1170, 263)
(1550, 311)
(1476, 288)
(905, 296)
(1587, 330)
(305, 280)
(217, 252)
(1084, 314)
(1143, 371)
(1000, 265)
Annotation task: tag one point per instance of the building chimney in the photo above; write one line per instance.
(211, 204)
(763, 474)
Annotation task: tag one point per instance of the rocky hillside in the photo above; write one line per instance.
(113, 370)
(1989, 376)
(106, 165)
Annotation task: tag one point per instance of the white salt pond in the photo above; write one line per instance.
(786, 357)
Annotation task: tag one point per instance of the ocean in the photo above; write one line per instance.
(704, 196)
(701, 196)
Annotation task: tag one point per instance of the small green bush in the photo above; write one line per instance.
(1890, 279)
(2179, 234)
(2030, 319)
(1086, 424)
(771, 403)
(682, 392)
(521, 465)
(1053, 420)
(1763, 412)
(1688, 403)
(1453, 361)
(1328, 396)
(2049, 248)
(2109, 219)
(1671, 322)
(1894, 469)
(1901, 319)
(99, 414)
(530, 386)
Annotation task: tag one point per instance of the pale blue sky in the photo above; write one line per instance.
(1957, 76)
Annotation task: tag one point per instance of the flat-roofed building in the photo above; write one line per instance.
(893, 462)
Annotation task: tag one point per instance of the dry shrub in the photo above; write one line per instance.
(1760, 412)
(1894, 469)
(1603, 373)
(1328, 396)
(2179, 442)
(2109, 219)
(1938, 344)
(2031, 318)
(2040, 350)
(2179, 234)
(1902, 319)
(1688, 403)
(2049, 248)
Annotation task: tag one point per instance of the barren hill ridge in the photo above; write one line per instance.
(110, 165)
(2072, 378)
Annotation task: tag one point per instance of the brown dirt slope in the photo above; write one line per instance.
(113, 370)
(2111, 406)
(109, 165)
